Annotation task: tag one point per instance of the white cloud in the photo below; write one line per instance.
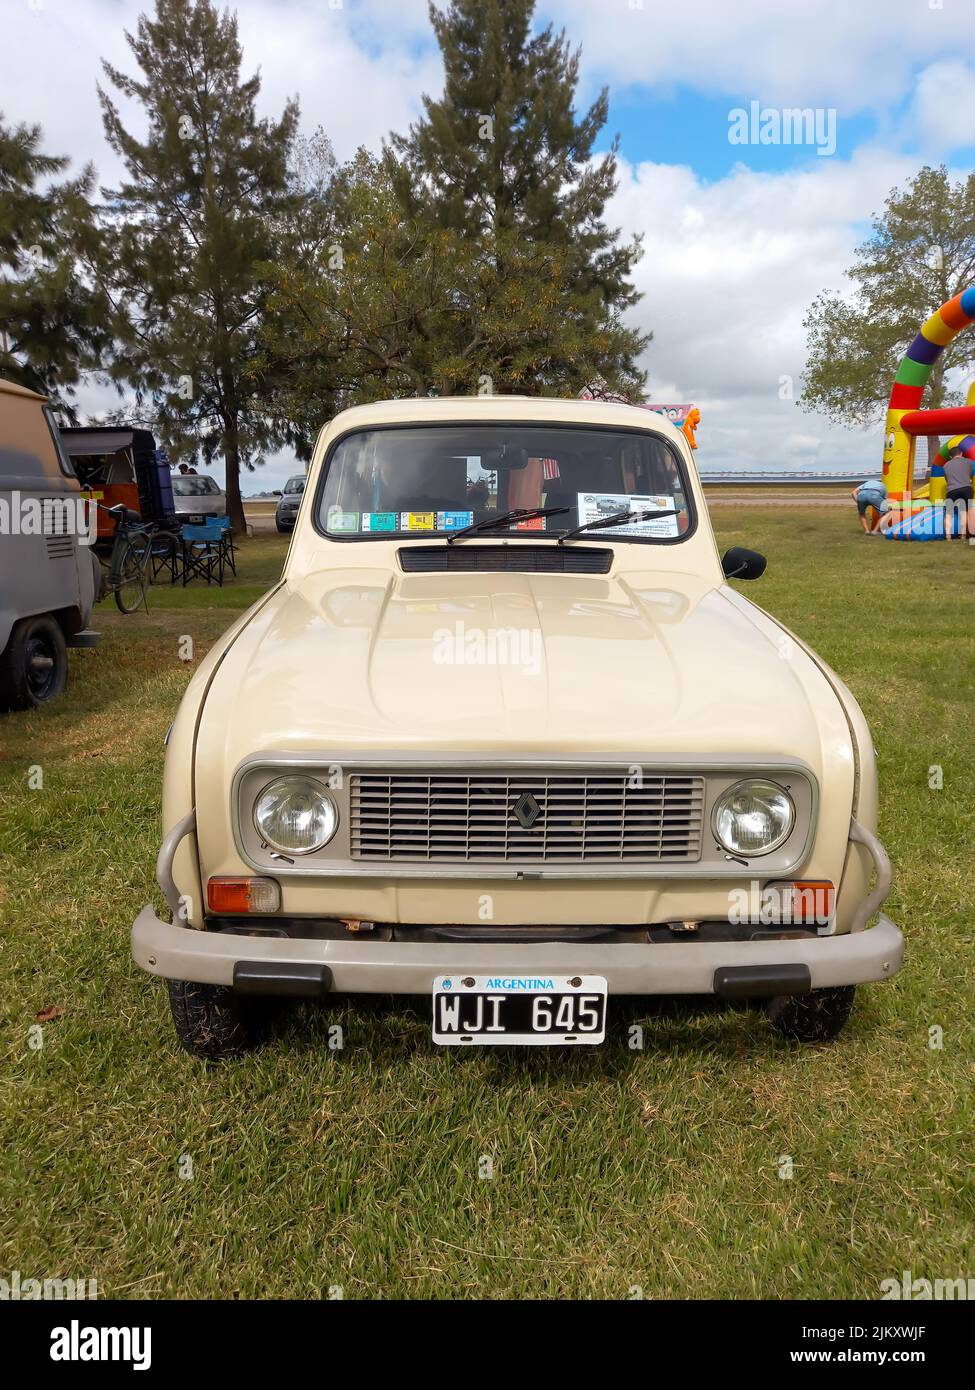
(944, 106)
(357, 71)
(852, 54)
(728, 271)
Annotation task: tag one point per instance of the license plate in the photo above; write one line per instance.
(518, 1010)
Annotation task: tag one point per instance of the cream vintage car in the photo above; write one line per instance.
(504, 735)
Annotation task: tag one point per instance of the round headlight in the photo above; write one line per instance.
(753, 817)
(295, 815)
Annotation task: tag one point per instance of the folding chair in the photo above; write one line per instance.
(203, 553)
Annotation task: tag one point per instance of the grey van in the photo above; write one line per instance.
(49, 574)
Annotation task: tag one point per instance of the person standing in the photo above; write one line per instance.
(959, 471)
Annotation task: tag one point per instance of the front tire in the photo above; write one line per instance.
(815, 1017)
(209, 1020)
(34, 663)
(131, 591)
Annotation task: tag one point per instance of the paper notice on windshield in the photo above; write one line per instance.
(339, 520)
(594, 506)
(454, 521)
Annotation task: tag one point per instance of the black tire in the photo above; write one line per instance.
(209, 1020)
(282, 529)
(33, 664)
(131, 591)
(814, 1017)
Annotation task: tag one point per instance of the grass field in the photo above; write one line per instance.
(360, 1168)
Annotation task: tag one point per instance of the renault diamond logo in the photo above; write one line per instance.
(526, 810)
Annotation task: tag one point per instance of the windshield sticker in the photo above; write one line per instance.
(417, 521)
(534, 523)
(453, 521)
(594, 506)
(339, 520)
(379, 521)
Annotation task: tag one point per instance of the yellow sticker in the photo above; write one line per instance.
(417, 521)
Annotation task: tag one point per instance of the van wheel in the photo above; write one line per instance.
(814, 1017)
(209, 1020)
(34, 664)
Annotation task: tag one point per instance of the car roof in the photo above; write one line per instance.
(11, 388)
(522, 409)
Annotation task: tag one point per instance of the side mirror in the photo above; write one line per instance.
(739, 563)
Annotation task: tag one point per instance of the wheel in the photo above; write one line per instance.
(131, 591)
(34, 663)
(209, 1020)
(814, 1017)
(281, 529)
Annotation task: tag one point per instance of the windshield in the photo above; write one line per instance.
(441, 478)
(188, 485)
(295, 485)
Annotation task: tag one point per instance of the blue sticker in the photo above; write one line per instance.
(453, 521)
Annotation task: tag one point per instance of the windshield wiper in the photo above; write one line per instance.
(519, 514)
(617, 519)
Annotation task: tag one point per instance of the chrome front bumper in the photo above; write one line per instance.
(364, 966)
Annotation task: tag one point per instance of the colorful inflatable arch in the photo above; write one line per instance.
(905, 421)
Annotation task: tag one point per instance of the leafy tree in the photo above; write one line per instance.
(384, 309)
(920, 253)
(205, 204)
(53, 320)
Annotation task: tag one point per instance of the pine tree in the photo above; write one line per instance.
(53, 320)
(204, 206)
(502, 160)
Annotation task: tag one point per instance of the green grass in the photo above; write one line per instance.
(315, 1167)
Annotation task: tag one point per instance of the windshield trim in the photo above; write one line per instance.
(539, 537)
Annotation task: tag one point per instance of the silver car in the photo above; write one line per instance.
(288, 503)
(197, 497)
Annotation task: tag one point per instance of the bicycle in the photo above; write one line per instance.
(128, 566)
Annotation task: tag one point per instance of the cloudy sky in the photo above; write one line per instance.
(739, 238)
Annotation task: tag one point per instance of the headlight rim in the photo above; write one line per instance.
(326, 797)
(758, 780)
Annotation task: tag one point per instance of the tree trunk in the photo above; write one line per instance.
(231, 454)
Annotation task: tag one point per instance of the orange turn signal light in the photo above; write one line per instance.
(243, 895)
(813, 901)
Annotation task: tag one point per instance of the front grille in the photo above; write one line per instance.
(570, 818)
(518, 557)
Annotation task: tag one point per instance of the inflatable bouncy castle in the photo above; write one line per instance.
(922, 510)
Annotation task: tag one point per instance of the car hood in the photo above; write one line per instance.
(360, 660)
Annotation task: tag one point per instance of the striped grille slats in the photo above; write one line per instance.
(451, 817)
